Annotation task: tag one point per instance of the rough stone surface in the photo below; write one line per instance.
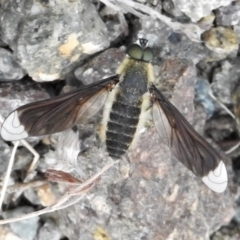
(26, 229)
(5, 151)
(2, 44)
(222, 41)
(225, 80)
(198, 9)
(170, 9)
(227, 233)
(115, 23)
(63, 31)
(31, 196)
(102, 66)
(229, 15)
(237, 30)
(6, 234)
(9, 68)
(169, 44)
(202, 96)
(220, 129)
(49, 231)
(168, 73)
(16, 94)
(236, 105)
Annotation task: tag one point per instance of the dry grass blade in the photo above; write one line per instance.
(30, 149)
(232, 149)
(35, 154)
(72, 195)
(7, 176)
(220, 104)
(24, 186)
(11, 161)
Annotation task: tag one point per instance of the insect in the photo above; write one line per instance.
(128, 99)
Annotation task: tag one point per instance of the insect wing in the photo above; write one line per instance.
(57, 114)
(186, 144)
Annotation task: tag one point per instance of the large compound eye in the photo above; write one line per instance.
(135, 51)
(147, 55)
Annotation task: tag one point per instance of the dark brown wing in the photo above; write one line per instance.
(57, 114)
(186, 144)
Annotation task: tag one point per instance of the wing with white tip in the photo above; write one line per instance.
(217, 179)
(186, 144)
(57, 114)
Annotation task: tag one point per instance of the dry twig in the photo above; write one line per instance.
(11, 161)
(75, 191)
(7, 175)
(227, 111)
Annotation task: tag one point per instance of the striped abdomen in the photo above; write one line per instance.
(126, 108)
(121, 126)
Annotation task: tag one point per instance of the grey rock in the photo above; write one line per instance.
(237, 30)
(2, 43)
(225, 79)
(154, 2)
(220, 128)
(207, 22)
(205, 69)
(229, 15)
(230, 232)
(173, 11)
(198, 9)
(142, 1)
(24, 159)
(9, 68)
(50, 37)
(5, 153)
(236, 105)
(49, 231)
(6, 234)
(223, 42)
(168, 44)
(237, 216)
(115, 23)
(26, 229)
(16, 94)
(31, 195)
(202, 97)
(102, 66)
(169, 72)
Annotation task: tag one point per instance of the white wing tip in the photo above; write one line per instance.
(217, 180)
(12, 130)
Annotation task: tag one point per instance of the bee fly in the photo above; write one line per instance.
(129, 98)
